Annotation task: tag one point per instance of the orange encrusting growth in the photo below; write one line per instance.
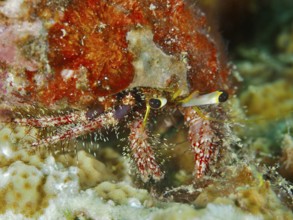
(90, 38)
(178, 29)
(92, 34)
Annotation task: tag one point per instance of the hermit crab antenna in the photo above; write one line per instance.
(194, 99)
(147, 112)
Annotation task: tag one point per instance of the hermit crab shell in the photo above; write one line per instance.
(99, 48)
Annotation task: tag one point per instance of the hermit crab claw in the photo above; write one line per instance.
(194, 99)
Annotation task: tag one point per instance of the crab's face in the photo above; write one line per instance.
(204, 135)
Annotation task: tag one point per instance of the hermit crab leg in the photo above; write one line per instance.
(201, 135)
(104, 120)
(142, 152)
(202, 139)
(52, 121)
(139, 143)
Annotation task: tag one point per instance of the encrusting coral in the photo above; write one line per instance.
(90, 170)
(29, 180)
(52, 183)
(123, 193)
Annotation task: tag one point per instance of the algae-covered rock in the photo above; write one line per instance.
(269, 101)
(286, 161)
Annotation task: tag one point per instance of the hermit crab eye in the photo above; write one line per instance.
(223, 97)
(157, 103)
(153, 103)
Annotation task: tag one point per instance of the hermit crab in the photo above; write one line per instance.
(120, 60)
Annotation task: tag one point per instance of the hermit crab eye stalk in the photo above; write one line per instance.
(157, 103)
(194, 99)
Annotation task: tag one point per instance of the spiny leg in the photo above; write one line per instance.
(105, 120)
(60, 120)
(142, 152)
(202, 138)
(52, 121)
